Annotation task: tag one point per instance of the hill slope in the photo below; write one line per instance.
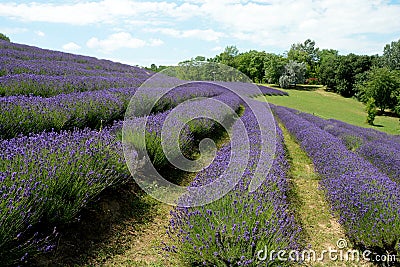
(332, 106)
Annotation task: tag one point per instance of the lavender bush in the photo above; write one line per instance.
(48, 86)
(366, 200)
(46, 180)
(94, 109)
(272, 91)
(231, 230)
(380, 149)
(194, 129)
(19, 59)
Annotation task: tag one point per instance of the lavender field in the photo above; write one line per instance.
(63, 143)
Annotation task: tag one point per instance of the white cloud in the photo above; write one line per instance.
(93, 12)
(120, 40)
(205, 35)
(217, 49)
(71, 46)
(7, 30)
(344, 25)
(155, 42)
(40, 33)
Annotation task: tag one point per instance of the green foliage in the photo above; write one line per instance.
(371, 111)
(194, 70)
(383, 86)
(339, 73)
(274, 66)
(285, 81)
(294, 74)
(258, 66)
(397, 107)
(312, 81)
(327, 66)
(352, 142)
(391, 55)
(297, 71)
(305, 53)
(227, 57)
(252, 63)
(4, 37)
(360, 80)
(155, 68)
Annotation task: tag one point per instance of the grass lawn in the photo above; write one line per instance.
(330, 105)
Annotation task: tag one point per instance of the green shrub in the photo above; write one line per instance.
(371, 111)
(4, 37)
(285, 81)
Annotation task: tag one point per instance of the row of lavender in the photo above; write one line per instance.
(381, 149)
(48, 86)
(29, 114)
(18, 58)
(94, 109)
(366, 200)
(272, 91)
(234, 229)
(31, 71)
(27, 70)
(194, 129)
(47, 178)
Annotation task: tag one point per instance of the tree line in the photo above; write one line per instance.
(372, 79)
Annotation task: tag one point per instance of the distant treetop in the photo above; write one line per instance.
(4, 37)
(391, 55)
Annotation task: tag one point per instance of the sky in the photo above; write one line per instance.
(165, 32)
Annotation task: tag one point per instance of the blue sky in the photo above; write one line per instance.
(166, 32)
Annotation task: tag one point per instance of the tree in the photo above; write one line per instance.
(307, 53)
(200, 58)
(340, 73)
(4, 37)
(326, 70)
(391, 55)
(242, 63)
(227, 57)
(294, 74)
(371, 111)
(252, 64)
(383, 86)
(153, 67)
(397, 107)
(274, 66)
(285, 81)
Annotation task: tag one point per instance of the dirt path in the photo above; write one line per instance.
(322, 231)
(144, 245)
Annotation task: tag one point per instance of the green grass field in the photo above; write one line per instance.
(330, 105)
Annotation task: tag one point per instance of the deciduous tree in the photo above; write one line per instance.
(391, 55)
(383, 86)
(307, 53)
(294, 74)
(4, 37)
(274, 66)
